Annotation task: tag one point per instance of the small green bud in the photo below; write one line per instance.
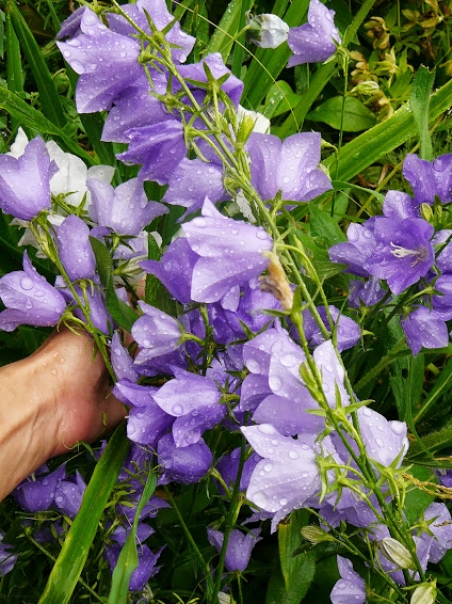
(368, 88)
(424, 594)
(427, 212)
(397, 553)
(315, 534)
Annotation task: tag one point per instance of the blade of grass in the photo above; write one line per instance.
(419, 103)
(48, 95)
(32, 118)
(128, 558)
(75, 550)
(372, 145)
(223, 37)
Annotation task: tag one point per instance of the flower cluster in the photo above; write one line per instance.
(405, 251)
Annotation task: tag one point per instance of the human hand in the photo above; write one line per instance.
(51, 400)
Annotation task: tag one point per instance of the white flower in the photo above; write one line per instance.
(270, 30)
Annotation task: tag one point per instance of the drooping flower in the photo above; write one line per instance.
(429, 179)
(106, 61)
(289, 166)
(425, 328)
(313, 42)
(287, 477)
(74, 249)
(29, 299)
(350, 589)
(25, 182)
(183, 464)
(155, 332)
(229, 253)
(195, 402)
(239, 548)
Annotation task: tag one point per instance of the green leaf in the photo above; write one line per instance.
(223, 36)
(48, 95)
(417, 501)
(370, 146)
(119, 310)
(280, 98)
(76, 547)
(324, 227)
(348, 114)
(303, 568)
(419, 103)
(128, 558)
(32, 118)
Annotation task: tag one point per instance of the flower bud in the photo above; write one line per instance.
(368, 87)
(269, 31)
(224, 598)
(424, 594)
(397, 553)
(315, 534)
(427, 212)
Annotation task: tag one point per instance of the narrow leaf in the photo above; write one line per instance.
(419, 103)
(128, 558)
(74, 553)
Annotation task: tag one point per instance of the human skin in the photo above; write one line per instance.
(50, 401)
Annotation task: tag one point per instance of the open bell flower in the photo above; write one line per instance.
(25, 181)
(29, 299)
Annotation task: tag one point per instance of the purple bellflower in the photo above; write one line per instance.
(29, 299)
(290, 166)
(350, 589)
(195, 402)
(229, 253)
(7, 559)
(98, 312)
(107, 63)
(155, 332)
(186, 465)
(25, 182)
(425, 328)
(74, 249)
(122, 361)
(125, 209)
(147, 422)
(429, 179)
(239, 548)
(287, 477)
(313, 42)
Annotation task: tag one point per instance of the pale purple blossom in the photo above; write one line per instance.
(238, 549)
(314, 41)
(155, 332)
(74, 249)
(350, 589)
(25, 181)
(289, 166)
(7, 558)
(29, 299)
(230, 253)
(424, 328)
(183, 464)
(429, 179)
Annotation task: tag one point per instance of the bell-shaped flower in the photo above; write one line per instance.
(365, 293)
(195, 402)
(186, 465)
(122, 361)
(74, 249)
(238, 549)
(158, 148)
(106, 61)
(29, 299)
(175, 269)
(147, 422)
(38, 495)
(350, 589)
(289, 166)
(229, 253)
(347, 331)
(155, 332)
(314, 42)
(25, 181)
(7, 558)
(425, 328)
(125, 209)
(286, 477)
(429, 179)
(403, 253)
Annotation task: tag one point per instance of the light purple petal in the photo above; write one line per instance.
(75, 249)
(156, 332)
(350, 589)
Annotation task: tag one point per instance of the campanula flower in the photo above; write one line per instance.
(350, 589)
(239, 548)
